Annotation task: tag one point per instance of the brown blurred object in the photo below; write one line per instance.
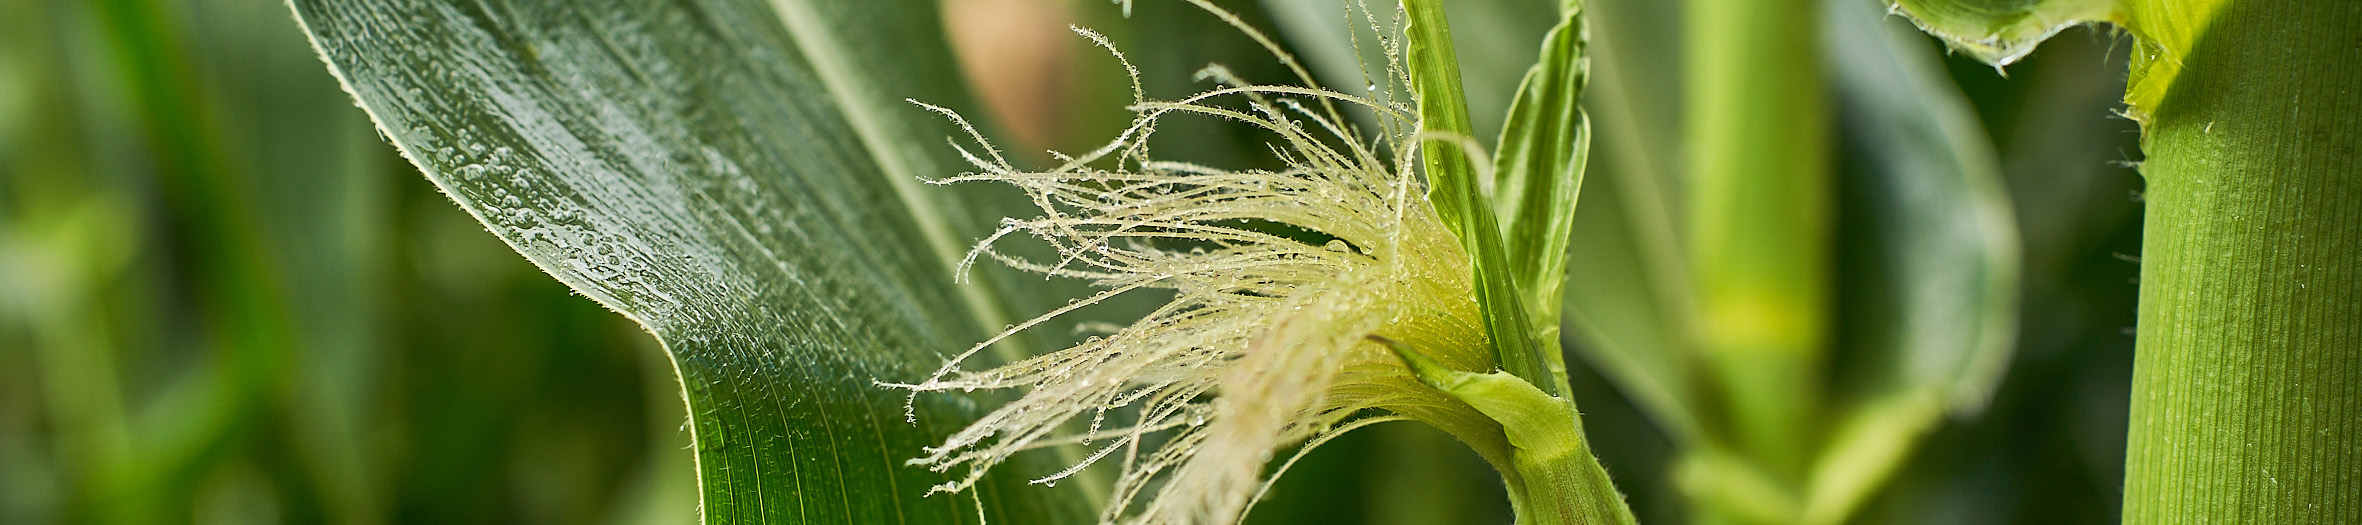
(1016, 53)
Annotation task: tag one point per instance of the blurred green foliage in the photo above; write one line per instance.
(2049, 448)
(224, 299)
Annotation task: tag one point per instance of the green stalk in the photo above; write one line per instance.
(1759, 220)
(1551, 477)
(2247, 387)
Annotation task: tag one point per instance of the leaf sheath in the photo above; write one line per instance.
(2247, 385)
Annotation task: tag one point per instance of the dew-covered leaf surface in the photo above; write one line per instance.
(742, 178)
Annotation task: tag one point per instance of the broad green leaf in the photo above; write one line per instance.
(742, 179)
(1931, 200)
(1929, 293)
(2002, 31)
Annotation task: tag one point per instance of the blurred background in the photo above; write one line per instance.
(224, 299)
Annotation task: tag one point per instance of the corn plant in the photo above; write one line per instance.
(2244, 394)
(855, 312)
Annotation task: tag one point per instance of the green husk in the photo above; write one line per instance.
(1453, 180)
(1552, 476)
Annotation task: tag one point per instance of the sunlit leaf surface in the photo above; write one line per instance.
(742, 179)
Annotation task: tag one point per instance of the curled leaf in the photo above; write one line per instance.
(2000, 32)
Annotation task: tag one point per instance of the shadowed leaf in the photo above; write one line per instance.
(1930, 295)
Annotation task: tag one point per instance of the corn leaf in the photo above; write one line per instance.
(1453, 187)
(2002, 31)
(742, 179)
(1928, 305)
(1539, 171)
